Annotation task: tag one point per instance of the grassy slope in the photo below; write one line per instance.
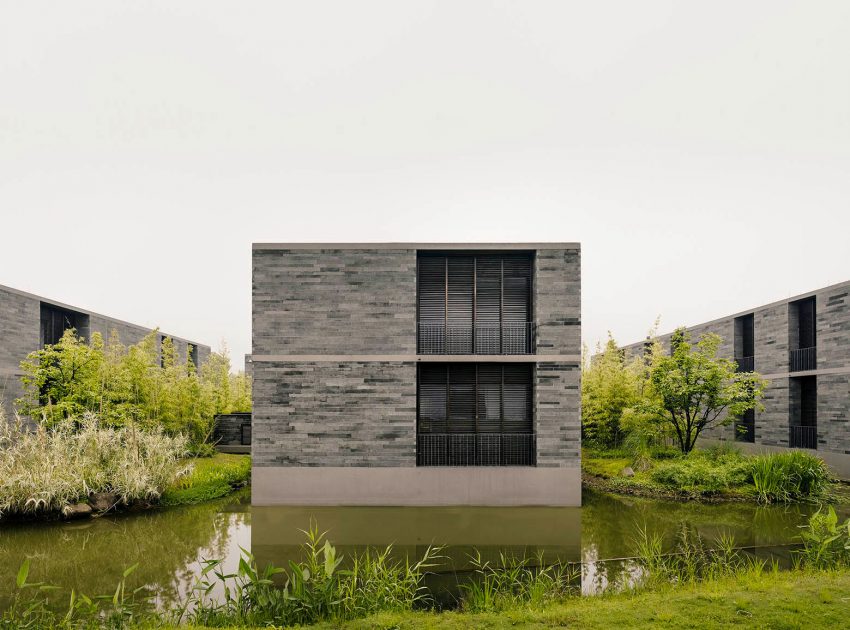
(784, 600)
(211, 477)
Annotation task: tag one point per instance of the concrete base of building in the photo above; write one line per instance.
(496, 486)
(839, 463)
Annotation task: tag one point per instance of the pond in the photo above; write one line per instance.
(89, 556)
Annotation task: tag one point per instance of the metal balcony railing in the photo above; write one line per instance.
(506, 338)
(476, 449)
(745, 364)
(803, 437)
(802, 359)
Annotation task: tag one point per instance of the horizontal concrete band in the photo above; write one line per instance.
(416, 358)
(823, 372)
(426, 246)
(486, 486)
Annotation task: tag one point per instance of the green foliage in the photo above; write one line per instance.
(209, 479)
(318, 588)
(704, 472)
(697, 390)
(783, 477)
(692, 560)
(47, 469)
(145, 385)
(516, 582)
(826, 544)
(613, 390)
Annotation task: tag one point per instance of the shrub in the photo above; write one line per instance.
(783, 477)
(703, 472)
(210, 478)
(48, 469)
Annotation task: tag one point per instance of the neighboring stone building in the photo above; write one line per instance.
(416, 374)
(802, 346)
(29, 322)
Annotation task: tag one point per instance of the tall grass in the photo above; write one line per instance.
(46, 470)
(515, 582)
(784, 477)
(318, 588)
(691, 560)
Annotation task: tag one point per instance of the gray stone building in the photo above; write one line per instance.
(416, 374)
(29, 322)
(802, 347)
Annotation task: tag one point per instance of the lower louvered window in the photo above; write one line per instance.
(475, 415)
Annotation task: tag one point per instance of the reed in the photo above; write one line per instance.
(47, 469)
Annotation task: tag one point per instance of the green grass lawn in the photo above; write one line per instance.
(211, 478)
(783, 600)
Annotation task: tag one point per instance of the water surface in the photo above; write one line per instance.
(169, 545)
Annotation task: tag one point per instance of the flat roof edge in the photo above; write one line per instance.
(85, 311)
(425, 246)
(755, 309)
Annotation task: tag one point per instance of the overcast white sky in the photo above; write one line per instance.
(700, 151)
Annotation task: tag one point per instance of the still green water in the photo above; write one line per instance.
(90, 555)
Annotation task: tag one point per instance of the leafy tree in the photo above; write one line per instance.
(697, 390)
(609, 386)
(145, 384)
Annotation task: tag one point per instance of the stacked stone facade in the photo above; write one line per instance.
(775, 336)
(20, 323)
(334, 362)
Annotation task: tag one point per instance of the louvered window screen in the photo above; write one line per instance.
(475, 415)
(475, 304)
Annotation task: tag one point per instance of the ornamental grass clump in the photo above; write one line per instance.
(45, 470)
(785, 477)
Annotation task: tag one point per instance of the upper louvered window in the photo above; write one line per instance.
(475, 304)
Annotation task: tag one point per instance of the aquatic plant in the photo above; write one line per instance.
(826, 543)
(783, 477)
(319, 587)
(515, 582)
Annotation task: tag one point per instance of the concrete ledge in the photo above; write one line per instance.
(425, 486)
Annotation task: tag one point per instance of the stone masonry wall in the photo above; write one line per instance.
(557, 301)
(334, 302)
(20, 334)
(334, 414)
(772, 346)
(558, 414)
(18, 337)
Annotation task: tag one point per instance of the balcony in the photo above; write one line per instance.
(803, 437)
(745, 364)
(476, 449)
(505, 338)
(802, 360)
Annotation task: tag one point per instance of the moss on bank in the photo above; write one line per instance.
(211, 478)
(772, 600)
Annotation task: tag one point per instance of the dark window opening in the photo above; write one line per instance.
(162, 339)
(472, 414)
(804, 412)
(745, 427)
(193, 354)
(474, 304)
(55, 321)
(802, 321)
(745, 343)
